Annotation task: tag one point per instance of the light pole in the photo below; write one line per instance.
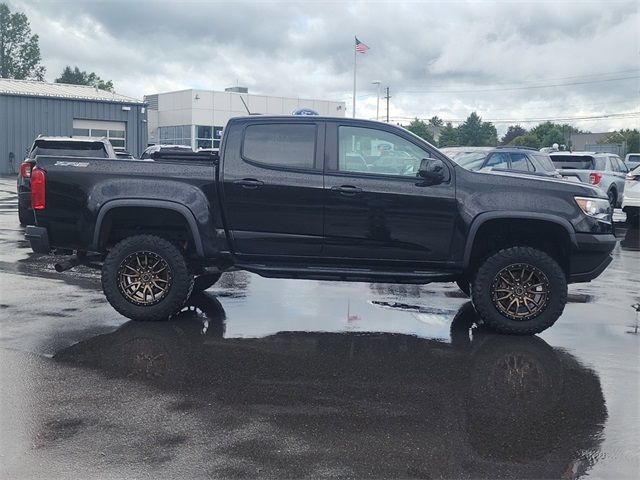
(377, 82)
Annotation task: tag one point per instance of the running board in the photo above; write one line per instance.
(348, 274)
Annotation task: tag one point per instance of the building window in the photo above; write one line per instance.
(204, 136)
(114, 131)
(178, 135)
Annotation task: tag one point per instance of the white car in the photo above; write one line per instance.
(631, 200)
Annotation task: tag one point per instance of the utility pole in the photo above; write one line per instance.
(387, 96)
(377, 82)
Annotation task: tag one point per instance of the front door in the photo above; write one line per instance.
(272, 188)
(376, 207)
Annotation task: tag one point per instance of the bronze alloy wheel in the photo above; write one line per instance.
(520, 291)
(144, 278)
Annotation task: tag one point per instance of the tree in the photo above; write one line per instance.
(512, 132)
(630, 137)
(419, 128)
(76, 76)
(448, 136)
(435, 124)
(19, 50)
(526, 140)
(475, 132)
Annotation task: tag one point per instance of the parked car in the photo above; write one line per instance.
(632, 160)
(282, 202)
(124, 155)
(631, 201)
(63, 146)
(604, 170)
(512, 159)
(151, 151)
(453, 152)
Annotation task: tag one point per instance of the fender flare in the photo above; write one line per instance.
(487, 216)
(137, 202)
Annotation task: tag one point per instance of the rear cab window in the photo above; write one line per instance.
(69, 149)
(284, 145)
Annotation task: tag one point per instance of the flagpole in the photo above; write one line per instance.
(355, 53)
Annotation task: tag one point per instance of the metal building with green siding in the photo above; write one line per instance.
(30, 108)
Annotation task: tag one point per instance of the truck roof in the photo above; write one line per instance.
(72, 139)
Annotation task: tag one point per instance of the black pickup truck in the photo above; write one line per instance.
(322, 198)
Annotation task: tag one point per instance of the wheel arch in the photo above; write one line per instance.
(180, 209)
(484, 218)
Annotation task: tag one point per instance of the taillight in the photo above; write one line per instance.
(594, 178)
(25, 170)
(38, 190)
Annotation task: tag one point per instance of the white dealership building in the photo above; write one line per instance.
(197, 117)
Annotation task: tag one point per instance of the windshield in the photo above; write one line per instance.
(573, 162)
(471, 161)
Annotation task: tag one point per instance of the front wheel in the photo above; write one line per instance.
(519, 290)
(145, 277)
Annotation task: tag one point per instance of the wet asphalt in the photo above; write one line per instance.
(263, 378)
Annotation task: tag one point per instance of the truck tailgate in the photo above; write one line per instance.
(76, 189)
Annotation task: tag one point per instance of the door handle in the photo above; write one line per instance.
(249, 183)
(346, 189)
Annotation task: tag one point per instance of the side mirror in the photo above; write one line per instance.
(432, 170)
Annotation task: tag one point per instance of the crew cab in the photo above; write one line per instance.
(68, 146)
(329, 199)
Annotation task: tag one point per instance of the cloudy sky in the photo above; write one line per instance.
(510, 61)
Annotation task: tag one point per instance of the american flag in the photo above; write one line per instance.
(361, 47)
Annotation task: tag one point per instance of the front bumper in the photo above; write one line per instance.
(591, 257)
(38, 238)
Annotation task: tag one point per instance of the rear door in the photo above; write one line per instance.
(376, 208)
(272, 187)
(620, 171)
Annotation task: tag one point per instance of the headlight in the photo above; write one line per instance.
(599, 208)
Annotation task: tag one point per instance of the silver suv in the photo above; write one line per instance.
(604, 170)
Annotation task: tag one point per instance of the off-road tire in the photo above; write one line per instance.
(464, 285)
(202, 282)
(491, 267)
(178, 291)
(25, 216)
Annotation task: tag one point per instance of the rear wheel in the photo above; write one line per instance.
(145, 277)
(613, 197)
(519, 290)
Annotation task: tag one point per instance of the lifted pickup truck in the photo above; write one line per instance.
(323, 198)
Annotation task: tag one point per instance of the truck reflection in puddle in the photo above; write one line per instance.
(384, 404)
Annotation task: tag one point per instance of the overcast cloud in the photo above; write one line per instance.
(431, 54)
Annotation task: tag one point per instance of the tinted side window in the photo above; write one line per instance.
(544, 161)
(621, 167)
(282, 145)
(520, 162)
(498, 160)
(373, 151)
